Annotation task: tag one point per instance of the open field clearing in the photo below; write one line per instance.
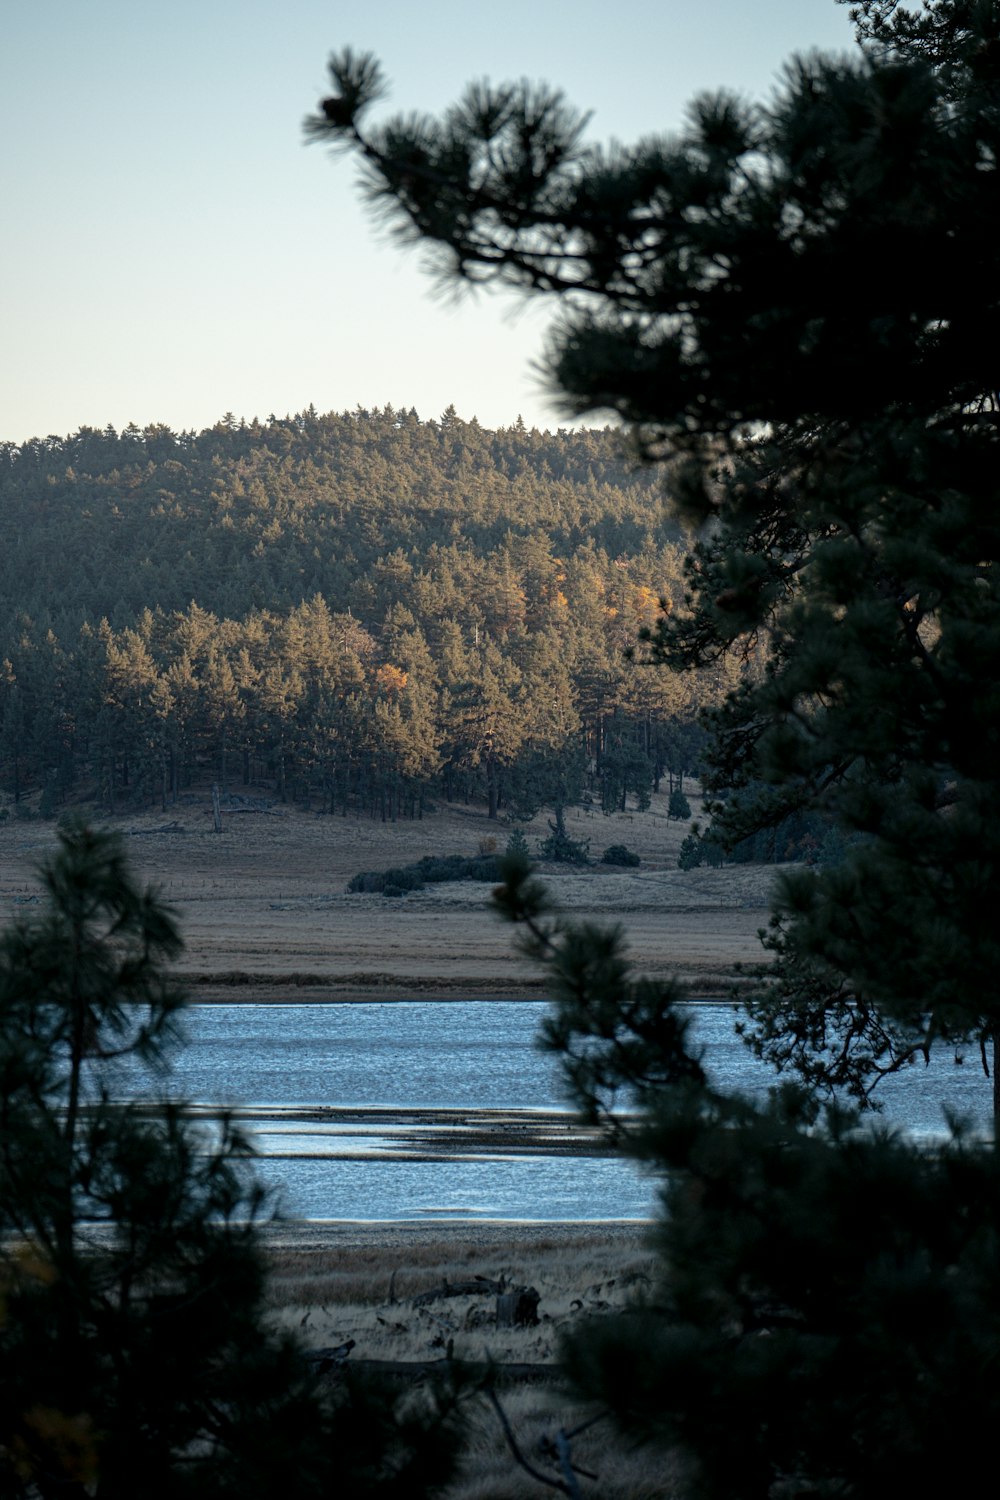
(265, 915)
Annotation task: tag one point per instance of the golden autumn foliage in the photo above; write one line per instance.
(390, 680)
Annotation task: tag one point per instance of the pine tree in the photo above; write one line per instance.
(796, 308)
(826, 1309)
(134, 1355)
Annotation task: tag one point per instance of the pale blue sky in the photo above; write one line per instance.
(171, 250)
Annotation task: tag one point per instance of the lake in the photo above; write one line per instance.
(442, 1110)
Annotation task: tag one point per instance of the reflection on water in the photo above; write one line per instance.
(295, 1071)
(524, 1188)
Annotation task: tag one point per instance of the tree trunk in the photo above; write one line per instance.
(518, 1308)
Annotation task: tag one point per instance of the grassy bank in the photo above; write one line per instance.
(389, 1289)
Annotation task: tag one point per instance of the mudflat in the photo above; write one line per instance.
(265, 914)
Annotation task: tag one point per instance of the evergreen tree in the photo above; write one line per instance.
(826, 1312)
(134, 1356)
(307, 515)
(798, 307)
(679, 806)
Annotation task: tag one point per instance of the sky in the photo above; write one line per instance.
(172, 251)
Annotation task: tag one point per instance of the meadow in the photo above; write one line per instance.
(265, 914)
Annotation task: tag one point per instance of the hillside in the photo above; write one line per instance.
(362, 612)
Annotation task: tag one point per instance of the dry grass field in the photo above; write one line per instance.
(263, 905)
(359, 1282)
(383, 1287)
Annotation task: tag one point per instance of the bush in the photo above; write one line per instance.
(400, 881)
(433, 869)
(437, 868)
(619, 854)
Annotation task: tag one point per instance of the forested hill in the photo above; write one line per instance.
(244, 516)
(360, 607)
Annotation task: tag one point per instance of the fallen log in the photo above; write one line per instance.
(479, 1286)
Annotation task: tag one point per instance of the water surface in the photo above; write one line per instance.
(341, 1100)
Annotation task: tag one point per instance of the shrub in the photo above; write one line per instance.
(437, 868)
(376, 881)
(433, 869)
(619, 854)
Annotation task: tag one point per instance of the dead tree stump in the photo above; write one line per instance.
(518, 1308)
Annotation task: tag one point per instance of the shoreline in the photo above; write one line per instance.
(260, 989)
(318, 1236)
(365, 989)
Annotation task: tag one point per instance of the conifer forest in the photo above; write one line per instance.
(367, 609)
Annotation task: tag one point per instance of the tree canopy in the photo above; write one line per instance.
(367, 609)
(795, 308)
